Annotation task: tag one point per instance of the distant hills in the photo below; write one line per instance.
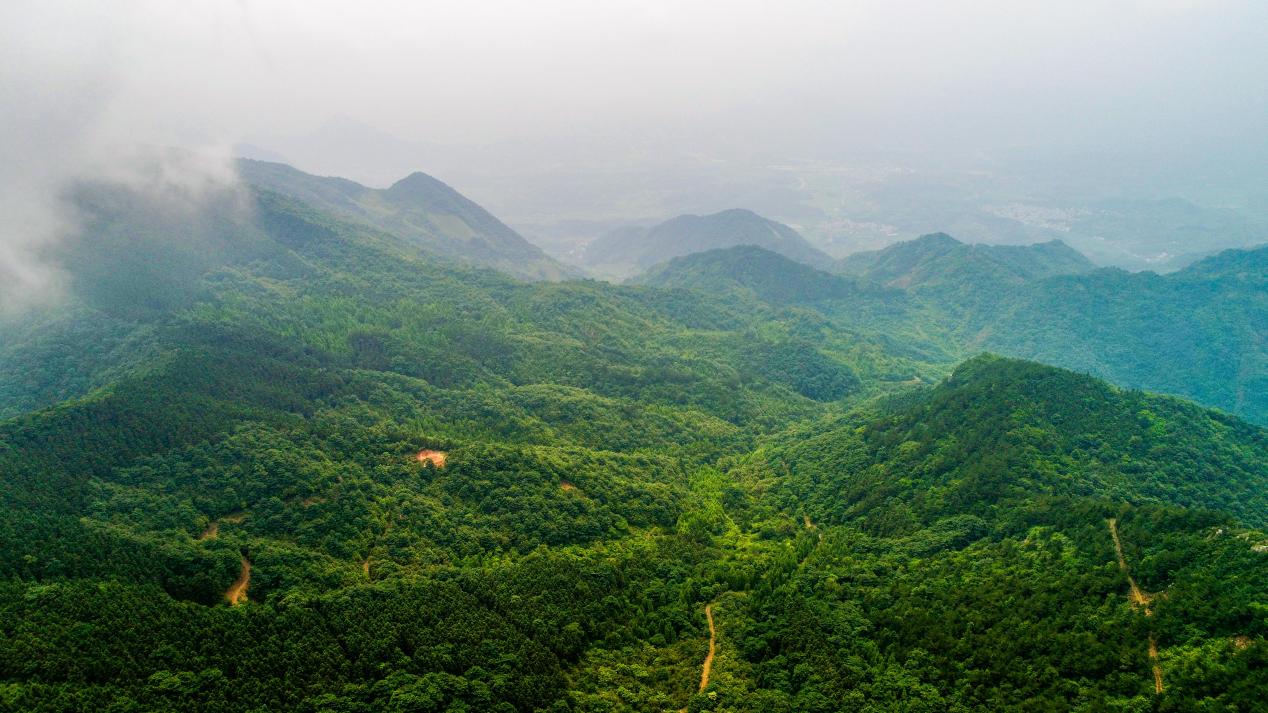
(767, 275)
(1250, 265)
(419, 208)
(1199, 333)
(628, 251)
(939, 259)
(274, 456)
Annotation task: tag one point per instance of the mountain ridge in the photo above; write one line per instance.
(631, 250)
(937, 259)
(417, 207)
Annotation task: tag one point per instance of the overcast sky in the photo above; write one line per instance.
(802, 79)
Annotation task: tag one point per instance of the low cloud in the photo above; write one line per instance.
(67, 120)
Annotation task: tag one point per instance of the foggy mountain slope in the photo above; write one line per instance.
(418, 208)
(628, 251)
(139, 261)
(139, 274)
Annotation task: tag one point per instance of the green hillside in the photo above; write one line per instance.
(939, 260)
(327, 469)
(958, 553)
(769, 276)
(1198, 333)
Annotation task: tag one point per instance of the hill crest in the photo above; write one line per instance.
(626, 252)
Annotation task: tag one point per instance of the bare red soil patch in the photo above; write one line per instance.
(436, 458)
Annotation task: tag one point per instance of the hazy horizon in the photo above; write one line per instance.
(570, 118)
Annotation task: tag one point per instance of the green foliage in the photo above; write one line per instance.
(615, 459)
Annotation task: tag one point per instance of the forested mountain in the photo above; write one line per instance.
(769, 276)
(1248, 265)
(268, 458)
(629, 251)
(1203, 336)
(1008, 541)
(1201, 333)
(939, 259)
(418, 208)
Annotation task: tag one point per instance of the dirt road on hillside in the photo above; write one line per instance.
(237, 592)
(1138, 598)
(713, 648)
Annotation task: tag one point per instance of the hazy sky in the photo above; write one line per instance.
(792, 78)
(483, 89)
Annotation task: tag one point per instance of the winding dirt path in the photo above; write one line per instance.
(237, 592)
(1153, 656)
(213, 526)
(811, 526)
(213, 529)
(1138, 598)
(713, 648)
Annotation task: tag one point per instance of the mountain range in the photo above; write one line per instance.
(1199, 332)
(939, 259)
(299, 448)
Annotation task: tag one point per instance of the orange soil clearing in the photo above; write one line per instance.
(1138, 598)
(436, 458)
(567, 487)
(237, 592)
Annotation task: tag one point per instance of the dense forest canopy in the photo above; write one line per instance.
(300, 459)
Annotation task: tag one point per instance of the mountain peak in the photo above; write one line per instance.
(736, 213)
(939, 259)
(936, 239)
(629, 251)
(420, 209)
(418, 183)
